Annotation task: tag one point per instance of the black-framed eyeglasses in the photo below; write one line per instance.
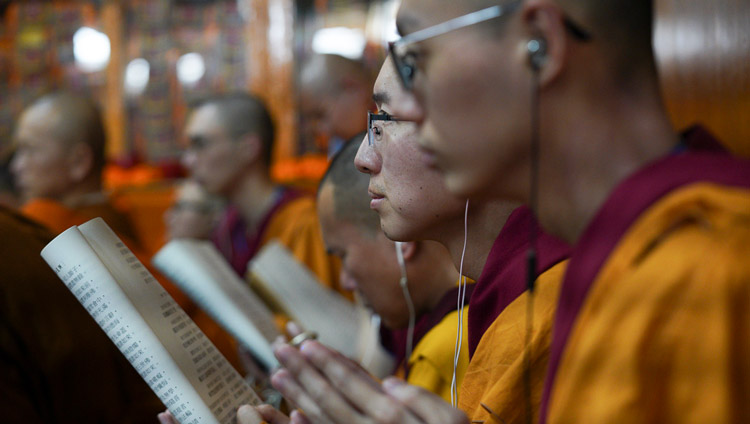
(374, 133)
(405, 62)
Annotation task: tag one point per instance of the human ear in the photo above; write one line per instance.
(546, 46)
(250, 147)
(80, 161)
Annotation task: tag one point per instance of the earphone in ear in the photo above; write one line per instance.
(537, 49)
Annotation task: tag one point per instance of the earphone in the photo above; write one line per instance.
(537, 49)
(404, 283)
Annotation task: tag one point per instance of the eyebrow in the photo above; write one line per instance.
(381, 98)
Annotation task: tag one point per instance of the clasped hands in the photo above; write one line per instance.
(331, 388)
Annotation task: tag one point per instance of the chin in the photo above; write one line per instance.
(396, 235)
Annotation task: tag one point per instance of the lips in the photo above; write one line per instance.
(376, 198)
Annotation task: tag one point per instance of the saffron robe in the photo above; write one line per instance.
(56, 364)
(498, 323)
(653, 324)
(430, 365)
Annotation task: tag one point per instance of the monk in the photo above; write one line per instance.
(58, 163)
(413, 204)
(60, 142)
(652, 318)
(57, 365)
(370, 267)
(230, 143)
(334, 90)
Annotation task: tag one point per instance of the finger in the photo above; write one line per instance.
(298, 417)
(427, 406)
(272, 415)
(283, 381)
(166, 418)
(363, 392)
(246, 414)
(293, 329)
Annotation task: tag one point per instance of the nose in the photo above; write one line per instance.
(367, 159)
(348, 283)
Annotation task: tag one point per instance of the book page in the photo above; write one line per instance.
(166, 348)
(339, 323)
(204, 275)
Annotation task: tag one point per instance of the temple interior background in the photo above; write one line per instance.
(146, 60)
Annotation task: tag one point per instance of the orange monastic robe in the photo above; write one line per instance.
(654, 318)
(493, 390)
(58, 217)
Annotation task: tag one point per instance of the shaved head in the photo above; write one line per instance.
(350, 200)
(74, 118)
(325, 73)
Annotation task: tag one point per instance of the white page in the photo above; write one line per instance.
(204, 275)
(294, 288)
(172, 355)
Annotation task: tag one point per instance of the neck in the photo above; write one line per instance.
(438, 272)
(622, 133)
(253, 196)
(485, 220)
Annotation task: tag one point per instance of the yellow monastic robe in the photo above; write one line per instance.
(431, 362)
(677, 351)
(654, 318)
(493, 388)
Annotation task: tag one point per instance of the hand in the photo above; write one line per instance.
(333, 389)
(246, 414)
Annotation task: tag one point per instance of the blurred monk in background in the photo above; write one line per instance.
(230, 144)
(60, 154)
(60, 142)
(335, 93)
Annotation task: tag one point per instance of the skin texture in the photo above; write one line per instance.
(410, 198)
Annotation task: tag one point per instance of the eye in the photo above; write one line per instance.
(409, 63)
(377, 132)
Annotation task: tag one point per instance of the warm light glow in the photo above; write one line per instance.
(91, 49)
(347, 42)
(190, 68)
(137, 76)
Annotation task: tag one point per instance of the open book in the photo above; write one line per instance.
(288, 286)
(168, 350)
(203, 274)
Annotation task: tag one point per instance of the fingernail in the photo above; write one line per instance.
(392, 383)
